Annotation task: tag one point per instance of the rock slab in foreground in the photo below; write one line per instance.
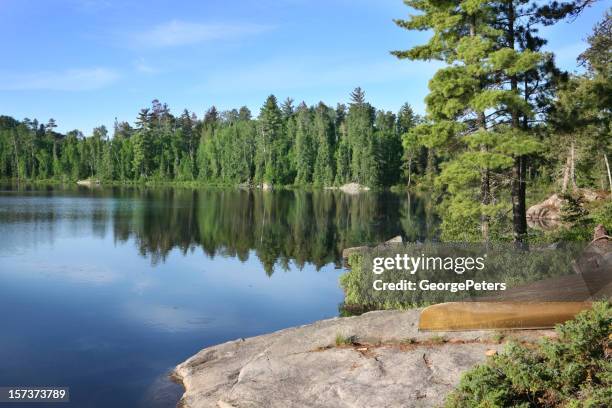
(302, 366)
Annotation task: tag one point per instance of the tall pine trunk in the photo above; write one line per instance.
(485, 183)
(430, 170)
(518, 188)
(519, 210)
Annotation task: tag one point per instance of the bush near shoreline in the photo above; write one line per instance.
(572, 370)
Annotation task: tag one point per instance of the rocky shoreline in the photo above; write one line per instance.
(378, 359)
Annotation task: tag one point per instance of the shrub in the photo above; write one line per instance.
(574, 370)
(342, 340)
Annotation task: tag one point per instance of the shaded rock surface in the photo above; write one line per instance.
(549, 209)
(389, 364)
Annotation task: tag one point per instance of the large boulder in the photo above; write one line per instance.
(547, 213)
(395, 241)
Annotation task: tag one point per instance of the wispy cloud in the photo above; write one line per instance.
(143, 67)
(308, 72)
(68, 80)
(167, 318)
(177, 33)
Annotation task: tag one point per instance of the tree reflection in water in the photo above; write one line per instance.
(279, 227)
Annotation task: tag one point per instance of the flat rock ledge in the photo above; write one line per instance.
(389, 364)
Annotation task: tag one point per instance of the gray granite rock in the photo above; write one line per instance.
(390, 364)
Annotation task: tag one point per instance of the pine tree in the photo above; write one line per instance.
(141, 147)
(358, 96)
(287, 108)
(389, 148)
(342, 154)
(107, 172)
(406, 121)
(271, 149)
(290, 138)
(470, 105)
(360, 138)
(304, 145)
(324, 134)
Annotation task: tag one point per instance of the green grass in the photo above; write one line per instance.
(498, 336)
(342, 340)
(437, 339)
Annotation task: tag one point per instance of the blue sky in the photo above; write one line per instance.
(85, 62)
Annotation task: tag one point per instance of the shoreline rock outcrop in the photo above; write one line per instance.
(350, 188)
(547, 214)
(88, 182)
(395, 241)
(382, 360)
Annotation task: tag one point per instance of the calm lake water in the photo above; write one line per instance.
(105, 290)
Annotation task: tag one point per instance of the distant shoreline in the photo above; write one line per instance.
(195, 184)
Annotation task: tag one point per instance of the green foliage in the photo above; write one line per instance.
(573, 370)
(305, 147)
(572, 210)
(324, 138)
(309, 145)
(580, 220)
(603, 215)
(498, 336)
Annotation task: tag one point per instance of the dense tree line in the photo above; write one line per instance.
(284, 145)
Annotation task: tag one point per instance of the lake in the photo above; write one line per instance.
(105, 290)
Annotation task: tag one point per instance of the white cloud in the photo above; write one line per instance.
(68, 80)
(176, 33)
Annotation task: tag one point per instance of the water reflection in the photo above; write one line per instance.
(278, 227)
